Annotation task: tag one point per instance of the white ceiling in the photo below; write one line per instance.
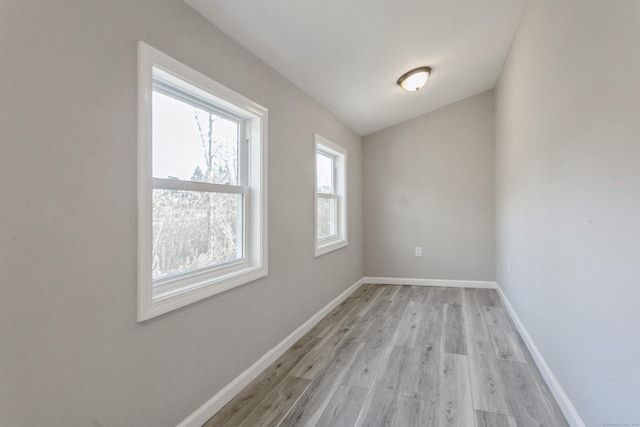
(348, 54)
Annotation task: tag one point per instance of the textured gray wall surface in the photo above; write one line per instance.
(71, 352)
(429, 182)
(568, 197)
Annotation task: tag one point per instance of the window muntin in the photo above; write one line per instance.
(201, 185)
(330, 191)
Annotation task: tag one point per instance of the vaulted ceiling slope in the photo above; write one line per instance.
(348, 54)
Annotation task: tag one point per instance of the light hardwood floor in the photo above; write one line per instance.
(402, 356)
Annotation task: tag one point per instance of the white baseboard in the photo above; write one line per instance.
(213, 405)
(430, 282)
(569, 411)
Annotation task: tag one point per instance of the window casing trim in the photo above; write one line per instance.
(339, 194)
(178, 291)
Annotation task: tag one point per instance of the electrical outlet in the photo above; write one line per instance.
(418, 251)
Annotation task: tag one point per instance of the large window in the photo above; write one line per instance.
(331, 196)
(202, 186)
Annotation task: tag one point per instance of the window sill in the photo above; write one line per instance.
(330, 246)
(156, 306)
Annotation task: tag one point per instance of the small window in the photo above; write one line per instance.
(202, 186)
(331, 196)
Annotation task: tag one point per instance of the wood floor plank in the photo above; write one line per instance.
(365, 366)
(316, 397)
(388, 321)
(473, 316)
(414, 412)
(420, 293)
(490, 419)
(557, 412)
(363, 290)
(370, 321)
(438, 296)
(380, 406)
(430, 332)
(488, 298)
(489, 393)
(360, 326)
(390, 291)
(505, 339)
(420, 376)
(368, 300)
(435, 299)
(277, 403)
(403, 294)
(421, 373)
(452, 296)
(454, 406)
(325, 325)
(343, 408)
(386, 324)
(453, 336)
(378, 308)
(237, 410)
(527, 401)
(409, 325)
(373, 318)
(319, 354)
(395, 311)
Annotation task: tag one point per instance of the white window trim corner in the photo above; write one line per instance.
(325, 246)
(199, 284)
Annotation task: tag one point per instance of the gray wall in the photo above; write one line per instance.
(568, 197)
(429, 182)
(71, 352)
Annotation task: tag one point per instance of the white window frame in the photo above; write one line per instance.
(339, 154)
(167, 294)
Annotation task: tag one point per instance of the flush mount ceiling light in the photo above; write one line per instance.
(413, 80)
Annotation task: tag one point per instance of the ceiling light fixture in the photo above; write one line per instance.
(413, 80)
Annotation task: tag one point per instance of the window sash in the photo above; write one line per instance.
(176, 282)
(242, 240)
(185, 95)
(336, 216)
(173, 282)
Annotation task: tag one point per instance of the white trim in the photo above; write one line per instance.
(340, 240)
(154, 65)
(213, 405)
(430, 282)
(569, 411)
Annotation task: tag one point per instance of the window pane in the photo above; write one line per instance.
(327, 210)
(193, 230)
(324, 177)
(192, 144)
